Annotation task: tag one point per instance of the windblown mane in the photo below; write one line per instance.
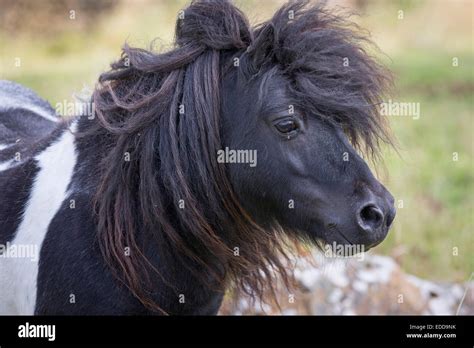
(163, 110)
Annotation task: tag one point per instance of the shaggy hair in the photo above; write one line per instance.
(172, 157)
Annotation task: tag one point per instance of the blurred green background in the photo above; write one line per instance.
(58, 47)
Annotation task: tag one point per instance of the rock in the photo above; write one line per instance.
(367, 284)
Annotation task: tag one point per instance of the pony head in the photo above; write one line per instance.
(242, 139)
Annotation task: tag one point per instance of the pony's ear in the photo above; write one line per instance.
(216, 24)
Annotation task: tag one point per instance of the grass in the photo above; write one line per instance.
(436, 191)
(433, 232)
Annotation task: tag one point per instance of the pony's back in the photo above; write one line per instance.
(24, 116)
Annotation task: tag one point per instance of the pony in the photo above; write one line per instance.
(199, 169)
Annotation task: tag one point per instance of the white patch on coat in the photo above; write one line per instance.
(6, 165)
(20, 103)
(18, 275)
(4, 146)
(42, 113)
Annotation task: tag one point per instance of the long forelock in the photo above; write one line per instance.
(332, 74)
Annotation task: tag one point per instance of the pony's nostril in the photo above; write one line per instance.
(370, 218)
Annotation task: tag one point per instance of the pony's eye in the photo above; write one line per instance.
(286, 126)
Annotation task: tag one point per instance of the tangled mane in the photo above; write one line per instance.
(163, 109)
